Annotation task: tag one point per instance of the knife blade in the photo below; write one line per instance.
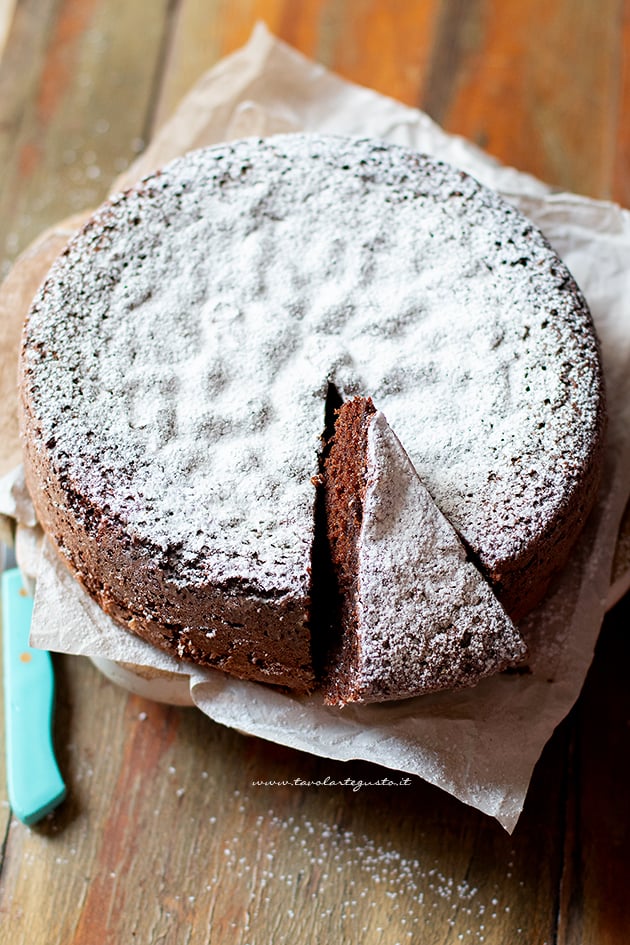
(34, 782)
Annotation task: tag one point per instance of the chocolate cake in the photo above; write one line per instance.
(415, 614)
(177, 361)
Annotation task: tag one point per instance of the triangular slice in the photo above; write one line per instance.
(416, 615)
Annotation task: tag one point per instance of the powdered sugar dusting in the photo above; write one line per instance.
(427, 619)
(178, 356)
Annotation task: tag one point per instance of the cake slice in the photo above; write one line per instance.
(415, 613)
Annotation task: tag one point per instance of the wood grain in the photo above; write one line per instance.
(165, 838)
(75, 116)
(7, 8)
(621, 148)
(383, 45)
(537, 84)
(595, 901)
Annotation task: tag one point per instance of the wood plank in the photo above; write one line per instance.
(594, 905)
(80, 112)
(621, 145)
(19, 73)
(194, 47)
(26, 38)
(382, 45)
(535, 83)
(7, 9)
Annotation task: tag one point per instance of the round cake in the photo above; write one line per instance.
(181, 359)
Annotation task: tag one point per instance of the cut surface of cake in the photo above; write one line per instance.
(416, 615)
(176, 362)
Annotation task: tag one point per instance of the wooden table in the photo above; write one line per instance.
(164, 838)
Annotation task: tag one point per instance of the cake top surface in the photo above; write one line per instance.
(177, 359)
(427, 618)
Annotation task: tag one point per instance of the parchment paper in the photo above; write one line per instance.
(480, 745)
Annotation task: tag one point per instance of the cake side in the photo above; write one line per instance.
(247, 631)
(521, 582)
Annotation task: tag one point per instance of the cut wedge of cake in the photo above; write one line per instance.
(416, 615)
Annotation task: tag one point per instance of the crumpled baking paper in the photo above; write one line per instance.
(480, 744)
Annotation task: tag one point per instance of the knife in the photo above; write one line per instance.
(34, 783)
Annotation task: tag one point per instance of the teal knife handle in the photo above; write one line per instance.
(34, 783)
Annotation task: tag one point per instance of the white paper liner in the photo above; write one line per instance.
(480, 745)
